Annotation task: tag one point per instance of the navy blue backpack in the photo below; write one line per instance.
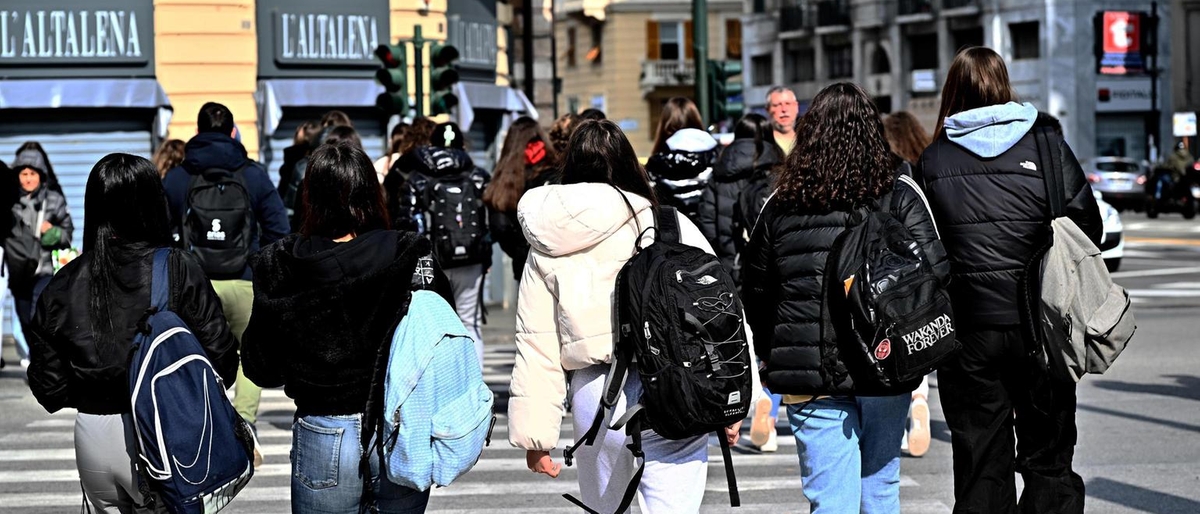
(193, 448)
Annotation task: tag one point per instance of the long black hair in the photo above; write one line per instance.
(758, 128)
(342, 194)
(599, 152)
(125, 206)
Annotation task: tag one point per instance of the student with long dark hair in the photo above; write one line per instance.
(527, 160)
(325, 301)
(682, 158)
(987, 188)
(583, 232)
(841, 165)
(89, 313)
(395, 142)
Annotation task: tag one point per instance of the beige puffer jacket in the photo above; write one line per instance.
(581, 236)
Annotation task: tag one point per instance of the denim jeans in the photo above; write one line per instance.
(849, 459)
(325, 478)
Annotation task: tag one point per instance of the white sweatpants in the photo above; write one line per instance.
(104, 458)
(676, 471)
(467, 283)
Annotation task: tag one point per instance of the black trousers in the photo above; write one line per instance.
(990, 390)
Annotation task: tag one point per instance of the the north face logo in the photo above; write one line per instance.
(216, 234)
(925, 336)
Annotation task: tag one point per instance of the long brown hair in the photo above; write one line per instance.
(418, 134)
(905, 135)
(168, 156)
(977, 78)
(678, 113)
(841, 158)
(600, 153)
(508, 178)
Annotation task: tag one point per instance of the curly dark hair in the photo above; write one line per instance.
(906, 135)
(560, 132)
(841, 159)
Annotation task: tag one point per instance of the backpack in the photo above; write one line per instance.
(1077, 318)
(889, 315)
(194, 449)
(437, 408)
(679, 323)
(219, 225)
(457, 220)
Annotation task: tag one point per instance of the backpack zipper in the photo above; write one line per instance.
(680, 273)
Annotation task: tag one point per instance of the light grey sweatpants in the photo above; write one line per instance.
(466, 283)
(105, 460)
(676, 471)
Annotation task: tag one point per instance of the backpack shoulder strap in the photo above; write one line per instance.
(160, 280)
(667, 220)
(1050, 157)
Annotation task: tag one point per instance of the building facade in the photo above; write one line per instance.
(1185, 60)
(628, 57)
(900, 52)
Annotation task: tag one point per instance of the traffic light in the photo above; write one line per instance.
(442, 77)
(394, 78)
(726, 93)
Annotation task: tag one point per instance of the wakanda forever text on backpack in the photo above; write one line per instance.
(218, 227)
(886, 315)
(193, 449)
(679, 325)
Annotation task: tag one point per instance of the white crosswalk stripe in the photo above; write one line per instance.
(38, 475)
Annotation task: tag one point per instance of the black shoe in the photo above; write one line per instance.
(1, 362)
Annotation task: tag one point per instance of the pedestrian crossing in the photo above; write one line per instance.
(38, 475)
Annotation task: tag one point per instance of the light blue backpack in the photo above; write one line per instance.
(437, 408)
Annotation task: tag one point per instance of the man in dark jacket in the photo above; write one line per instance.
(986, 185)
(214, 147)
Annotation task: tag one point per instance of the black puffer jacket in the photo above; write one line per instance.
(68, 369)
(992, 211)
(719, 202)
(505, 228)
(681, 173)
(782, 274)
(323, 309)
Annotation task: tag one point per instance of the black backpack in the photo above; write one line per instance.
(457, 220)
(887, 313)
(679, 322)
(219, 225)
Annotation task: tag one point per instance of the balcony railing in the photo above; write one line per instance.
(957, 4)
(795, 16)
(910, 7)
(833, 12)
(667, 73)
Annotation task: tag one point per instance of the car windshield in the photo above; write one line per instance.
(1125, 167)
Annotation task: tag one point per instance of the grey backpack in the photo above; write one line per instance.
(1070, 304)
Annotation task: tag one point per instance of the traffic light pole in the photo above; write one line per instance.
(418, 42)
(700, 57)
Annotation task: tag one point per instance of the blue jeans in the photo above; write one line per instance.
(849, 459)
(325, 478)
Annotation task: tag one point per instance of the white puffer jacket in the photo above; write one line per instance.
(581, 236)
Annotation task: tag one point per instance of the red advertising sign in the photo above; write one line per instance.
(1122, 32)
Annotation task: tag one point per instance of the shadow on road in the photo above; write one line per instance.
(1140, 498)
(1178, 425)
(1185, 386)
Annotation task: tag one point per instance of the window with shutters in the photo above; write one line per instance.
(668, 40)
(733, 39)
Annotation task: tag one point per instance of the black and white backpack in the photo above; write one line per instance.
(219, 226)
(679, 324)
(457, 220)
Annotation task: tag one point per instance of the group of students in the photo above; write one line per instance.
(315, 297)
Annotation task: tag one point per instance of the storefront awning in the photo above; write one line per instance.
(69, 93)
(275, 94)
(481, 95)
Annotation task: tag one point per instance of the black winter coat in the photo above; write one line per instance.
(322, 310)
(719, 201)
(680, 178)
(992, 214)
(506, 230)
(782, 273)
(68, 370)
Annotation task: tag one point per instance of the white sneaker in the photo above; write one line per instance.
(772, 444)
(25, 364)
(919, 431)
(763, 423)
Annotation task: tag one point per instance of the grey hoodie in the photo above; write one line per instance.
(993, 130)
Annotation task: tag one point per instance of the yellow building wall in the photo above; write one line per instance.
(207, 51)
(406, 14)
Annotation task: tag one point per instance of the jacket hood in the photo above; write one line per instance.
(212, 150)
(737, 160)
(563, 219)
(993, 130)
(434, 161)
(691, 140)
(31, 159)
(680, 164)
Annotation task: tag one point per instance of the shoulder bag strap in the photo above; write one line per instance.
(667, 221)
(160, 281)
(1048, 154)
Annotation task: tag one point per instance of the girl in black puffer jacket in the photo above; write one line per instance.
(842, 166)
(681, 163)
(747, 160)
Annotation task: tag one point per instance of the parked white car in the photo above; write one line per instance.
(1112, 244)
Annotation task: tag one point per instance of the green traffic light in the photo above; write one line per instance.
(441, 54)
(442, 78)
(440, 102)
(723, 88)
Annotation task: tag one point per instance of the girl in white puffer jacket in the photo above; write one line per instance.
(582, 233)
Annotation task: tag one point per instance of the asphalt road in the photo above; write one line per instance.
(1139, 424)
